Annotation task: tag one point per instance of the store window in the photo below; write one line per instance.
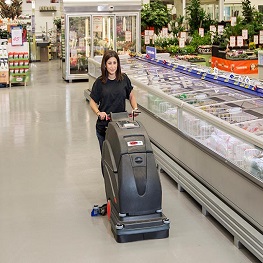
(210, 10)
(229, 10)
(232, 10)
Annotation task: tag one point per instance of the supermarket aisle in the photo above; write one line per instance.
(50, 178)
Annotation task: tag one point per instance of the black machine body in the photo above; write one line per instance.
(132, 183)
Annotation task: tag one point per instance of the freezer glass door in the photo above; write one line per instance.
(79, 44)
(126, 33)
(103, 28)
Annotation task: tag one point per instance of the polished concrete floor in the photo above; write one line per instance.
(50, 178)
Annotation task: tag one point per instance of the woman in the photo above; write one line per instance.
(109, 92)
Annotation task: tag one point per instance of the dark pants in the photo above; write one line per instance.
(101, 139)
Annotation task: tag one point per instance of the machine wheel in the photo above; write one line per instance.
(119, 226)
(166, 221)
(109, 209)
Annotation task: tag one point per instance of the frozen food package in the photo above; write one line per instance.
(254, 162)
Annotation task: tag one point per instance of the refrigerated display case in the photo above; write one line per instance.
(210, 131)
(92, 27)
(260, 64)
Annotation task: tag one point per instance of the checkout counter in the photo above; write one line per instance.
(43, 50)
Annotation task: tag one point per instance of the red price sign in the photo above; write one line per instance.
(16, 36)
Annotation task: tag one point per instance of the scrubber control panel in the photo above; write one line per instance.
(126, 124)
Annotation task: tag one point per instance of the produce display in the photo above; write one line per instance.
(241, 109)
(191, 58)
(241, 54)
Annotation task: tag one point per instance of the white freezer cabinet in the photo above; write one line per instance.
(227, 105)
(260, 64)
(234, 114)
(216, 131)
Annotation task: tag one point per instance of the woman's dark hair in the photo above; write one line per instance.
(104, 73)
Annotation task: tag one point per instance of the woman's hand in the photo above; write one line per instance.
(102, 115)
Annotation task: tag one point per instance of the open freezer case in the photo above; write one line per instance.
(212, 131)
(92, 27)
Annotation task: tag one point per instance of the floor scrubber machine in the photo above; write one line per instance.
(132, 182)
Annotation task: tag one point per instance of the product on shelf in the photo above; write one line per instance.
(254, 162)
(18, 67)
(4, 69)
(254, 126)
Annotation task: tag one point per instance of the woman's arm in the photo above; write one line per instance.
(133, 102)
(95, 108)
